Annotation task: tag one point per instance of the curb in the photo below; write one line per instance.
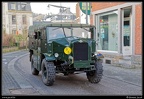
(14, 52)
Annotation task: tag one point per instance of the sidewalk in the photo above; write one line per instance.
(11, 79)
(132, 76)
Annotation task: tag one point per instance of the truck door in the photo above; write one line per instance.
(37, 50)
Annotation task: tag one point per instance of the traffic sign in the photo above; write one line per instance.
(82, 6)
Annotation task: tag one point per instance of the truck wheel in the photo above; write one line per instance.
(96, 75)
(48, 73)
(33, 69)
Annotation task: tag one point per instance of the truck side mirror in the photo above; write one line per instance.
(91, 30)
(91, 33)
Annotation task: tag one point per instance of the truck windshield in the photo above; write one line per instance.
(60, 32)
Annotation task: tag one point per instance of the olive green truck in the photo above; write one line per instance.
(64, 48)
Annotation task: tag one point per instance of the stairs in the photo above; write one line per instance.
(126, 62)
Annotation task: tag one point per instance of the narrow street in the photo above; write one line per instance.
(18, 80)
(72, 49)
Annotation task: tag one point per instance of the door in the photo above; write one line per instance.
(126, 31)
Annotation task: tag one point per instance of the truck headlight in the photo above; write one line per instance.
(67, 50)
(56, 54)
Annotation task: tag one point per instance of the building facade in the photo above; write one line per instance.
(64, 15)
(119, 32)
(17, 17)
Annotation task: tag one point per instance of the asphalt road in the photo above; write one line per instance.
(18, 80)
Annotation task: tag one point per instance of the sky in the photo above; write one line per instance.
(41, 7)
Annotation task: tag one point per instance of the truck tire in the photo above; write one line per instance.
(33, 69)
(48, 73)
(95, 76)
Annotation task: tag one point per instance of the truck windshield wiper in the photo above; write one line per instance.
(60, 27)
(56, 28)
(86, 29)
(64, 32)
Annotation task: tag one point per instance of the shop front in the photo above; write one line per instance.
(116, 34)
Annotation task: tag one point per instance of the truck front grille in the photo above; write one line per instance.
(80, 51)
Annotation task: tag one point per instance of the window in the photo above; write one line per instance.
(44, 34)
(13, 6)
(60, 32)
(82, 32)
(24, 19)
(64, 17)
(55, 33)
(126, 27)
(69, 17)
(108, 31)
(13, 19)
(19, 8)
(23, 6)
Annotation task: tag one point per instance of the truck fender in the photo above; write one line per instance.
(49, 57)
(99, 56)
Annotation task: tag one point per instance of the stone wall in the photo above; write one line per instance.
(134, 61)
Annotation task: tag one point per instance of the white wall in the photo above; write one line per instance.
(83, 18)
(5, 16)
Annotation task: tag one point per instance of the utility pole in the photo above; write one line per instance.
(61, 10)
(86, 13)
(90, 4)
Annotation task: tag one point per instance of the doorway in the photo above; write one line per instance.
(126, 31)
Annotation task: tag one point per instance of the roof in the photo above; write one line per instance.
(62, 24)
(64, 14)
(20, 6)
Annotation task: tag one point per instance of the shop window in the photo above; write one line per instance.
(108, 31)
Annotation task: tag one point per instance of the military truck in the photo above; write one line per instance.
(66, 48)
